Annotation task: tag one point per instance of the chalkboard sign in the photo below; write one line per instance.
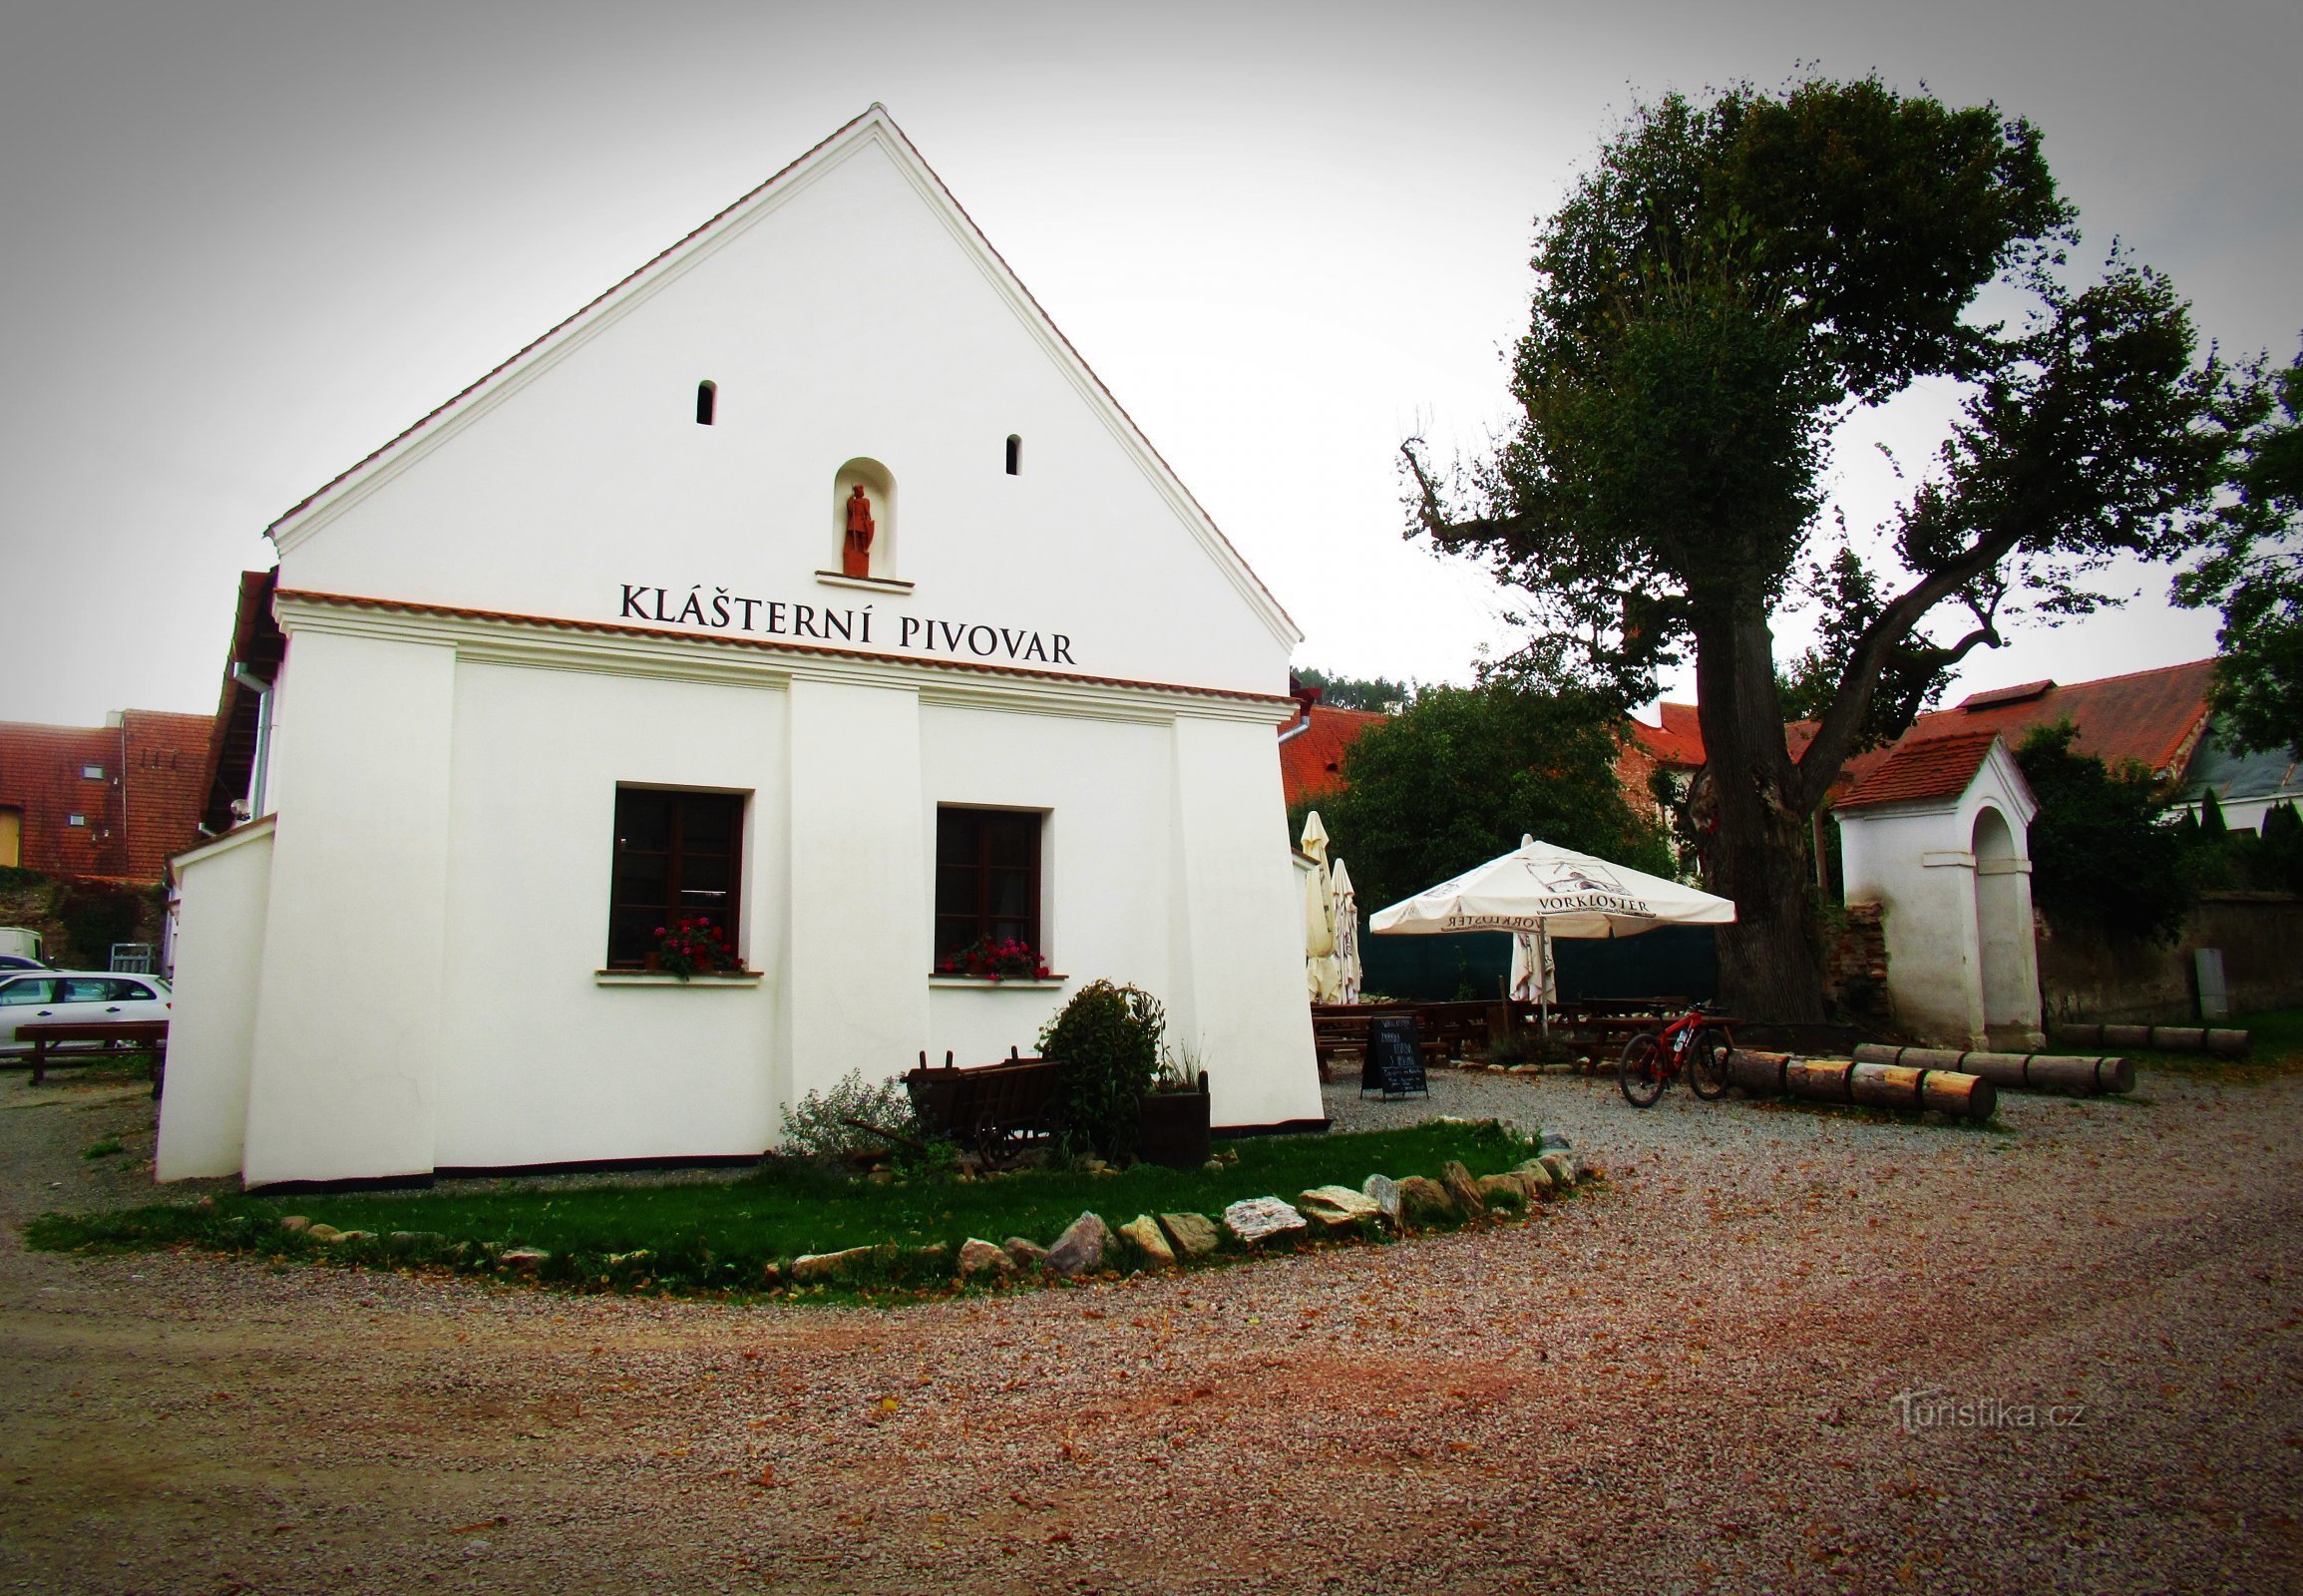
(1394, 1061)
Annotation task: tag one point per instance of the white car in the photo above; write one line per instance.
(83, 995)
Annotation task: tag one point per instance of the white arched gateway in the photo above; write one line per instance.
(1939, 836)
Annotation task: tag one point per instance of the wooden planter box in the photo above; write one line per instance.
(1174, 1128)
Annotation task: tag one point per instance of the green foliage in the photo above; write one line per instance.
(716, 1238)
(15, 877)
(1111, 1037)
(2253, 573)
(96, 914)
(1728, 281)
(1357, 692)
(1464, 773)
(1846, 596)
(2101, 862)
(818, 1125)
(2216, 857)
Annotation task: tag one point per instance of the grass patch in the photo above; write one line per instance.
(102, 1149)
(718, 1239)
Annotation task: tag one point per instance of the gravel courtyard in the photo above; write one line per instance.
(1688, 1381)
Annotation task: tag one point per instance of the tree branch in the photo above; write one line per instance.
(1843, 721)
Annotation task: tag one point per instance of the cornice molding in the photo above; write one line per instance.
(545, 643)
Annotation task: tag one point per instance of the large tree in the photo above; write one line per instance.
(2253, 573)
(1725, 285)
(1460, 774)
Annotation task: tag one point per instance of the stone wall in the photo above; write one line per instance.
(2085, 977)
(1855, 960)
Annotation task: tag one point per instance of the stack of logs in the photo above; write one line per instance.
(1876, 1086)
(1965, 1085)
(2164, 1039)
(2023, 1072)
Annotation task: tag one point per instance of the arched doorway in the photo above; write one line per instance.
(2002, 927)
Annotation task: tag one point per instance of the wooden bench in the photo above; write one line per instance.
(53, 1043)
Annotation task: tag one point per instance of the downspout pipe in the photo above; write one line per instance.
(260, 766)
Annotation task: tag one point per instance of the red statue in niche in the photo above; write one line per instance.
(856, 555)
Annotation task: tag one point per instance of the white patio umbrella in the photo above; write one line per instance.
(1319, 915)
(1546, 891)
(1346, 904)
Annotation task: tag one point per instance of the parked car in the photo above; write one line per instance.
(14, 961)
(76, 995)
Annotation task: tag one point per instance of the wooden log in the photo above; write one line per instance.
(1953, 1092)
(2014, 1072)
(1820, 1081)
(1885, 1085)
(2188, 1039)
(1760, 1075)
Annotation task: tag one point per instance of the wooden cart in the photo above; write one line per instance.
(997, 1112)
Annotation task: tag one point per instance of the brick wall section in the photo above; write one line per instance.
(1855, 960)
(165, 765)
(142, 808)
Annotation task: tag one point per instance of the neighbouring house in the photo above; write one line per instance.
(2247, 786)
(111, 801)
(807, 588)
(1312, 745)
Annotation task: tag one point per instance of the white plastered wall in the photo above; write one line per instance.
(856, 943)
(1236, 928)
(221, 895)
(540, 1064)
(347, 1036)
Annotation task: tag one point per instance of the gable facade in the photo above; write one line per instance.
(608, 598)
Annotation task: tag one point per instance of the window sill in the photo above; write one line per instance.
(660, 978)
(1027, 981)
(838, 579)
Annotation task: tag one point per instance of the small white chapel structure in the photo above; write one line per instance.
(806, 587)
(1938, 836)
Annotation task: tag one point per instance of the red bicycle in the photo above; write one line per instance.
(1693, 1044)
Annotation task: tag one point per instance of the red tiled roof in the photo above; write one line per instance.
(1676, 742)
(1311, 761)
(2155, 717)
(1932, 768)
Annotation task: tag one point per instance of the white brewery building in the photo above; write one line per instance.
(806, 584)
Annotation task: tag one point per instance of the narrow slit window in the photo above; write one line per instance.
(1015, 454)
(707, 402)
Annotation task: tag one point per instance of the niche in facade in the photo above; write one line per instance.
(864, 520)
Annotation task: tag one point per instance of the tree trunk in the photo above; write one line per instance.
(1758, 855)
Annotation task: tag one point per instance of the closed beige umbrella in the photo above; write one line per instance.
(1319, 916)
(1347, 905)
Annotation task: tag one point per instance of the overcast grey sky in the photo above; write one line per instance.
(241, 243)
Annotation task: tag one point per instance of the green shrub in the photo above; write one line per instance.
(819, 1126)
(1111, 1037)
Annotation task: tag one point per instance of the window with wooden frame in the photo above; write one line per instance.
(986, 879)
(678, 856)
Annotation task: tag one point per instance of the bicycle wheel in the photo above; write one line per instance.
(1641, 1072)
(1708, 1064)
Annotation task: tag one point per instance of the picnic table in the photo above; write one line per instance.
(54, 1044)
